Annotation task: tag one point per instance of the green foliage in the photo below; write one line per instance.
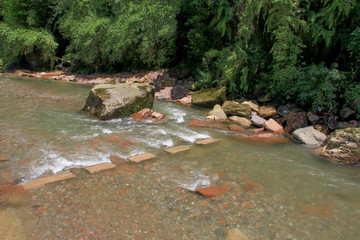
(19, 42)
(352, 97)
(319, 87)
(140, 34)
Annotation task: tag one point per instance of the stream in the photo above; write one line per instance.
(277, 191)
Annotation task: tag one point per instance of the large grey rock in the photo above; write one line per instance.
(107, 101)
(208, 98)
(233, 108)
(309, 135)
(343, 146)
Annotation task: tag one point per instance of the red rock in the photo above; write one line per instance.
(261, 139)
(141, 115)
(41, 211)
(110, 139)
(273, 126)
(256, 131)
(126, 143)
(236, 128)
(213, 191)
(13, 194)
(117, 159)
(207, 124)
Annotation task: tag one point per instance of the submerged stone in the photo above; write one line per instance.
(107, 101)
(213, 191)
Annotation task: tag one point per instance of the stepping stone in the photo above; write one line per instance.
(100, 167)
(177, 149)
(206, 141)
(40, 182)
(142, 157)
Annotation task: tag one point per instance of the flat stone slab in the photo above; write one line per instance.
(142, 157)
(100, 167)
(40, 182)
(177, 149)
(4, 159)
(207, 141)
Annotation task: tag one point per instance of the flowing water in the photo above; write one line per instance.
(277, 191)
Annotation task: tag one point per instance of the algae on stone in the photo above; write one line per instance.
(109, 101)
(208, 98)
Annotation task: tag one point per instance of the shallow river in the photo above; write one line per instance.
(278, 191)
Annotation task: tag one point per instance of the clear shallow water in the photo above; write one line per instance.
(42, 131)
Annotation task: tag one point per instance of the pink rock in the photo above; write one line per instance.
(157, 115)
(273, 126)
(145, 113)
(186, 100)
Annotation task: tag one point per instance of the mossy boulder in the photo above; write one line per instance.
(233, 108)
(343, 146)
(108, 101)
(208, 98)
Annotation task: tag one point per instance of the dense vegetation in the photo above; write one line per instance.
(306, 51)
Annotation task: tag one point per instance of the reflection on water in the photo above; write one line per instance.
(279, 191)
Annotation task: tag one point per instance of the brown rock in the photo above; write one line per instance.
(100, 167)
(15, 195)
(4, 159)
(207, 124)
(235, 234)
(266, 112)
(244, 122)
(218, 113)
(253, 106)
(40, 182)
(256, 131)
(213, 191)
(206, 141)
(273, 126)
(296, 120)
(141, 115)
(142, 157)
(177, 149)
(117, 159)
(236, 128)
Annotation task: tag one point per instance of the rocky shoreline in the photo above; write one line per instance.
(254, 120)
